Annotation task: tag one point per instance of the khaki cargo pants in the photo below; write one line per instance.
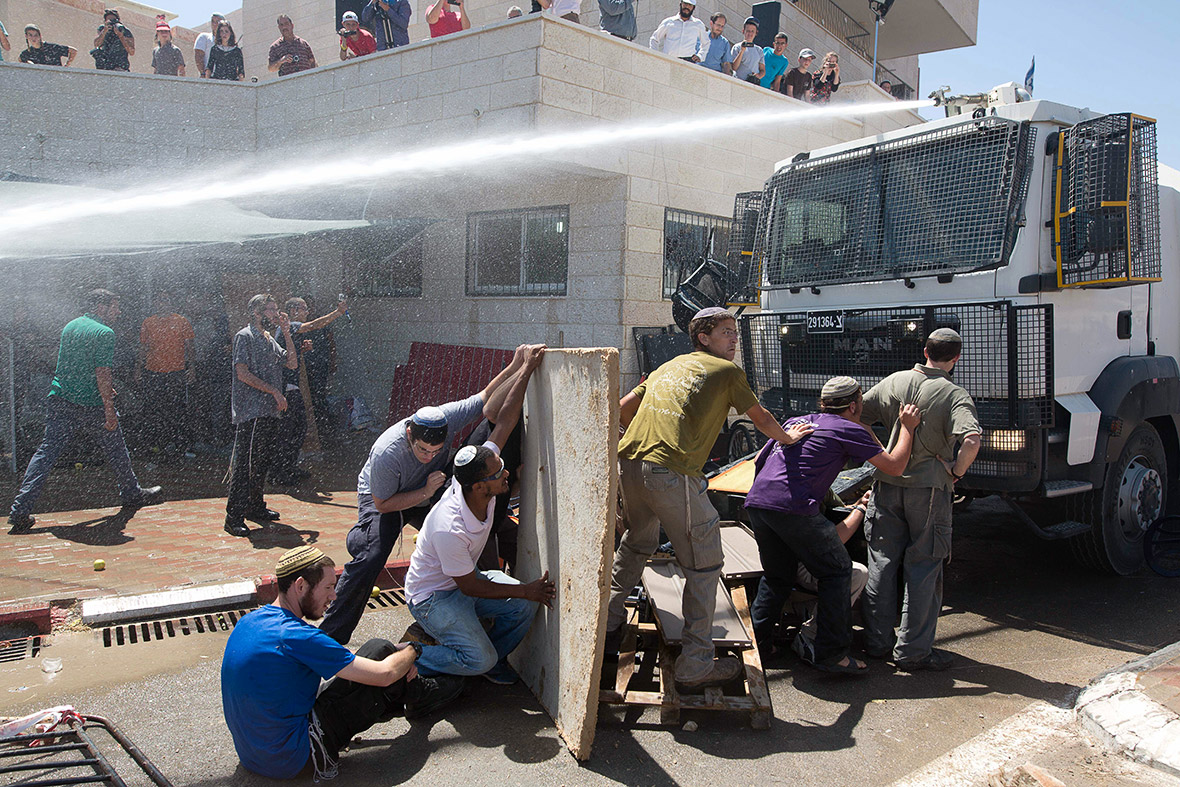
(655, 496)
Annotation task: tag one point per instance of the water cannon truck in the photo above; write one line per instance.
(1046, 235)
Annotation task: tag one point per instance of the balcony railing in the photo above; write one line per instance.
(836, 21)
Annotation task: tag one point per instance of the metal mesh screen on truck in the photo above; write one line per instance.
(941, 202)
(1106, 203)
(1007, 363)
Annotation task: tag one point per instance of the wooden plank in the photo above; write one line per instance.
(670, 708)
(664, 583)
(742, 560)
(755, 676)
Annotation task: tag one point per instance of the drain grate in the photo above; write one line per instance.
(387, 599)
(135, 633)
(19, 648)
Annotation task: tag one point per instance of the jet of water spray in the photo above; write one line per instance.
(309, 174)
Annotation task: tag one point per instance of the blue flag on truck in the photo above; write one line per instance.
(1028, 78)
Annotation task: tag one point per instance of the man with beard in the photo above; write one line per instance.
(82, 398)
(271, 672)
(257, 401)
(683, 36)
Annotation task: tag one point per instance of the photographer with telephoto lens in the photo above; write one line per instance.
(113, 45)
(389, 21)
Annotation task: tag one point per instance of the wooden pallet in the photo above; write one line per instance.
(649, 641)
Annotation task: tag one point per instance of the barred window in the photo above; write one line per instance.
(518, 252)
(689, 238)
(385, 260)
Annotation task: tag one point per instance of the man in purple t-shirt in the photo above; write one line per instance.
(784, 507)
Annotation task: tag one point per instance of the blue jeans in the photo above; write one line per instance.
(62, 420)
(453, 619)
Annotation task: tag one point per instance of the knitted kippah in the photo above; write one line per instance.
(430, 417)
(839, 388)
(295, 560)
(946, 335)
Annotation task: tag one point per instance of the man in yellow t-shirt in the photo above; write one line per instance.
(166, 353)
(672, 420)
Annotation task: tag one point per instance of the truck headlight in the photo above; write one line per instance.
(1004, 440)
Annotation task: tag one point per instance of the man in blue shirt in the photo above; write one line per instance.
(397, 484)
(776, 61)
(271, 671)
(389, 22)
(717, 53)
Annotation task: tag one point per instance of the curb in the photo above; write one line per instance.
(1117, 713)
(175, 602)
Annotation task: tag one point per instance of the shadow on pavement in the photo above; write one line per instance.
(100, 532)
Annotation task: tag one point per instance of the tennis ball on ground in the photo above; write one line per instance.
(77, 465)
(100, 565)
(376, 591)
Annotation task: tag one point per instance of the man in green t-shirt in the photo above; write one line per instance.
(82, 397)
(672, 420)
(908, 525)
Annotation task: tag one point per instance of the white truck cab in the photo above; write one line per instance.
(1047, 237)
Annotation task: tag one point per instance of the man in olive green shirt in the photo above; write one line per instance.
(908, 525)
(672, 420)
(82, 397)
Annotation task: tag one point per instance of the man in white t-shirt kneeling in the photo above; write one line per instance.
(447, 595)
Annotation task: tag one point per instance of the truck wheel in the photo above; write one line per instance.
(1134, 494)
(743, 440)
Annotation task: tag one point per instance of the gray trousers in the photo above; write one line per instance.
(908, 530)
(655, 496)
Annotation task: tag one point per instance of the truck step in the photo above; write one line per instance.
(1066, 529)
(1064, 488)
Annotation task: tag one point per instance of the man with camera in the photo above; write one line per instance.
(355, 41)
(747, 58)
(444, 22)
(113, 45)
(390, 22)
(290, 54)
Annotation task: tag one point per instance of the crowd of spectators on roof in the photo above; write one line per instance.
(383, 25)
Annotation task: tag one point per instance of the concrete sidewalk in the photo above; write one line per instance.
(1136, 709)
(170, 545)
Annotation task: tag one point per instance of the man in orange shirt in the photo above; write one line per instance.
(166, 355)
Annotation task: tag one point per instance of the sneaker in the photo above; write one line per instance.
(725, 670)
(148, 496)
(937, 661)
(502, 674)
(19, 523)
(426, 695)
(236, 527)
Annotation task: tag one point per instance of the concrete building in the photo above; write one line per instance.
(565, 246)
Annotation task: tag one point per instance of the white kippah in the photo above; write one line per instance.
(430, 417)
(465, 455)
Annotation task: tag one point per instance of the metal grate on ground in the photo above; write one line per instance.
(1007, 363)
(1106, 203)
(19, 649)
(938, 203)
(387, 599)
(157, 630)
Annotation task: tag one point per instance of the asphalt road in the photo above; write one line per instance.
(1027, 624)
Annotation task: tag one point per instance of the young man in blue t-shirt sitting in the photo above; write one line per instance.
(784, 506)
(271, 671)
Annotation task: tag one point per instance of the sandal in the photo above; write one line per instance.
(853, 667)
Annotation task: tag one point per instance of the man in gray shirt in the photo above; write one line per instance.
(256, 401)
(397, 484)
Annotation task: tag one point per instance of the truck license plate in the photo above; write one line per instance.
(825, 322)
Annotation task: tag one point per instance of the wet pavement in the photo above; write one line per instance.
(179, 542)
(1029, 627)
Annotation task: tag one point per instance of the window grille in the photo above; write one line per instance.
(385, 260)
(1106, 203)
(689, 239)
(941, 202)
(518, 252)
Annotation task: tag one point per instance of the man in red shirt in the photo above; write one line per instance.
(355, 41)
(443, 22)
(163, 369)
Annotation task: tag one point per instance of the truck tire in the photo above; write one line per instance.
(1133, 495)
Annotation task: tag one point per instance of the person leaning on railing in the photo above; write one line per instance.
(40, 53)
(225, 57)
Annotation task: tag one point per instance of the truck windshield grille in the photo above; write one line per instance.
(942, 202)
